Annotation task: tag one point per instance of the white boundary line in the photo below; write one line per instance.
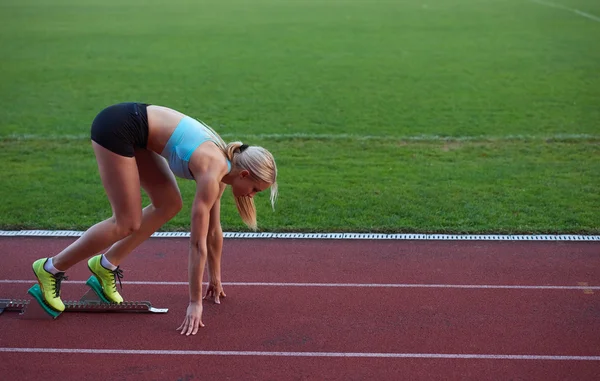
(576, 11)
(349, 236)
(298, 354)
(309, 136)
(348, 285)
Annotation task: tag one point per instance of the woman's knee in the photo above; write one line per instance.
(173, 206)
(127, 225)
(168, 204)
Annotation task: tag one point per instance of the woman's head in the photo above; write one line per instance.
(254, 170)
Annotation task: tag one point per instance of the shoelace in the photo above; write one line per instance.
(58, 278)
(118, 274)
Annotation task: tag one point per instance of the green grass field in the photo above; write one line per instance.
(463, 116)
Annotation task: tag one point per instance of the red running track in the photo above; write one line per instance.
(294, 311)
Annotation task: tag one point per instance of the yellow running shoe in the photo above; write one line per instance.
(49, 284)
(107, 278)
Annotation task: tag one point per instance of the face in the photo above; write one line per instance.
(244, 185)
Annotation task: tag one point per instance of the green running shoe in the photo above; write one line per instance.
(107, 278)
(49, 284)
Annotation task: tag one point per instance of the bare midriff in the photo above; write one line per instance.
(162, 121)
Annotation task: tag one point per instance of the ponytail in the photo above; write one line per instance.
(247, 211)
(230, 150)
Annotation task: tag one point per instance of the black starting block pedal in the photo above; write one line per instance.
(93, 300)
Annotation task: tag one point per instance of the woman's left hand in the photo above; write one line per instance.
(193, 319)
(215, 290)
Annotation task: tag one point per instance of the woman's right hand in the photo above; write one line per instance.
(193, 319)
(214, 290)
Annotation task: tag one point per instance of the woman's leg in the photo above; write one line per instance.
(121, 181)
(159, 183)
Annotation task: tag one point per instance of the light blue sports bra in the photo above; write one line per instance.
(188, 136)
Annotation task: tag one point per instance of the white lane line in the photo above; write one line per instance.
(299, 354)
(348, 285)
(424, 138)
(559, 6)
(335, 236)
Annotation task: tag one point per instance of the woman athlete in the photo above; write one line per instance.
(131, 142)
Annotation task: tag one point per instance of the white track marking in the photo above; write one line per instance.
(346, 285)
(310, 136)
(298, 354)
(576, 11)
(349, 236)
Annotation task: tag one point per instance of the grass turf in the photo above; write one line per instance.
(373, 185)
(513, 83)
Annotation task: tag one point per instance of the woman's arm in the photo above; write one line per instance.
(215, 250)
(207, 192)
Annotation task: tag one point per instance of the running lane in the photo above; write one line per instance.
(260, 331)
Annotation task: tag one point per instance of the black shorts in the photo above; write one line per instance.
(122, 128)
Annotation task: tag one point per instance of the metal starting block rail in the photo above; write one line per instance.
(92, 301)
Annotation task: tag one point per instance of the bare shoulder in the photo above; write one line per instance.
(208, 160)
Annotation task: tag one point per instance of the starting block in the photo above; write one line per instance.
(93, 300)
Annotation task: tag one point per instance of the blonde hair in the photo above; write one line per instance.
(261, 165)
